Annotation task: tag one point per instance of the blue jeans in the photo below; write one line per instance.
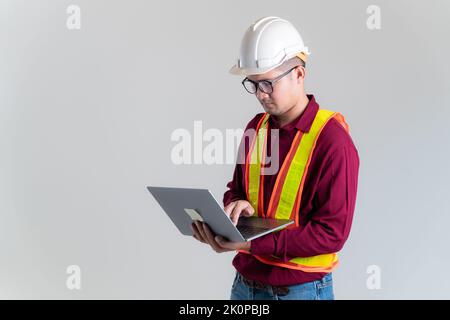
(314, 290)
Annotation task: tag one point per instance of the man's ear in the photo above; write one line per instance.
(300, 72)
(303, 70)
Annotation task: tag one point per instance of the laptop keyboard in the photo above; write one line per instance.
(250, 230)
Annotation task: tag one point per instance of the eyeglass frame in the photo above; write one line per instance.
(270, 82)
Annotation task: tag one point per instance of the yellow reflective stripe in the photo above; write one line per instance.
(255, 165)
(271, 260)
(297, 167)
(321, 260)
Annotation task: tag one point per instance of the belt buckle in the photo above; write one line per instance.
(281, 291)
(252, 284)
(247, 282)
(256, 285)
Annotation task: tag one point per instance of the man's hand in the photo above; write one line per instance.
(203, 233)
(237, 208)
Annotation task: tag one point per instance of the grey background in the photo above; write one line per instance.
(86, 118)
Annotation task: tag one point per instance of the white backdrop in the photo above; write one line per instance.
(86, 117)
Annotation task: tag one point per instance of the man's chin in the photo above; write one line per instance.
(272, 111)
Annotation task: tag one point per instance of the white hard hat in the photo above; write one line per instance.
(266, 44)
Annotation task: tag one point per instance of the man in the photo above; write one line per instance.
(315, 185)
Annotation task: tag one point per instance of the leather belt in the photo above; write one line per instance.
(279, 290)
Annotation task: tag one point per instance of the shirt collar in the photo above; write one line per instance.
(304, 121)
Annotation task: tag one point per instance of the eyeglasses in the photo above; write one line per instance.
(265, 86)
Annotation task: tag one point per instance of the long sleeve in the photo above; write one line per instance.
(331, 218)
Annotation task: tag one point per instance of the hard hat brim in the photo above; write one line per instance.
(254, 71)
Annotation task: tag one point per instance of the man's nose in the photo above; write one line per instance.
(261, 95)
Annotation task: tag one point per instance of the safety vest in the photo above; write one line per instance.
(287, 192)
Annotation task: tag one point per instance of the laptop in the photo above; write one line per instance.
(185, 205)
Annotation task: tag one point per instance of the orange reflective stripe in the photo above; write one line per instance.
(276, 193)
(341, 119)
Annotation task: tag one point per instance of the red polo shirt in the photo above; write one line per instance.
(326, 207)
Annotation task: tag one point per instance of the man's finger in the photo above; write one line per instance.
(211, 238)
(197, 235)
(201, 232)
(198, 239)
(236, 212)
(201, 229)
(248, 210)
(228, 209)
